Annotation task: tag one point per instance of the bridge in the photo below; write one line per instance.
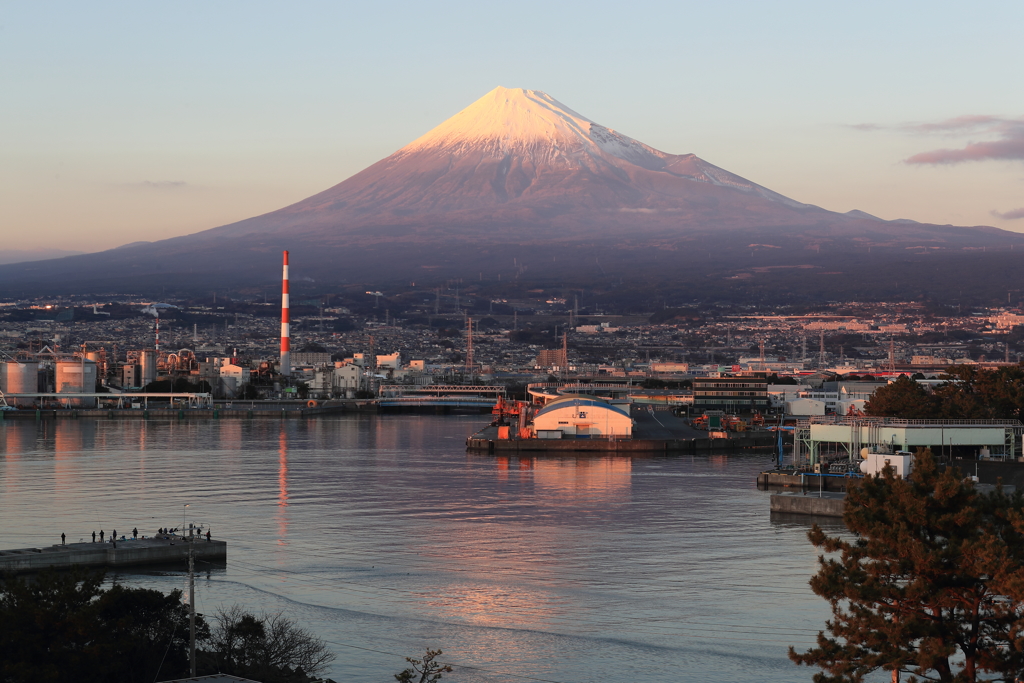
(439, 396)
(441, 390)
(190, 400)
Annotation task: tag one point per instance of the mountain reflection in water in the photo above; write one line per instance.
(383, 536)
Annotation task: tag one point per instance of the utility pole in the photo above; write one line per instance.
(191, 597)
(821, 350)
(191, 603)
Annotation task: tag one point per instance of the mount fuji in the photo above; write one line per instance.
(521, 186)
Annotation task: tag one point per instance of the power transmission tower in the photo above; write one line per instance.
(469, 347)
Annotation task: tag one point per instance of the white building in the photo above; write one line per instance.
(781, 394)
(232, 377)
(805, 406)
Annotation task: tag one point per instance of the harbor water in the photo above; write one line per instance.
(385, 538)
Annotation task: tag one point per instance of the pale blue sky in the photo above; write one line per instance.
(139, 120)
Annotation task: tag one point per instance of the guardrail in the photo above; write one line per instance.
(900, 422)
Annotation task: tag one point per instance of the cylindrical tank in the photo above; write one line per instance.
(101, 367)
(147, 359)
(70, 381)
(22, 378)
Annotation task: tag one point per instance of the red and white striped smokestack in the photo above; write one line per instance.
(286, 333)
(157, 329)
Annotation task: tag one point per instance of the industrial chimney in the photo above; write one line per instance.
(286, 342)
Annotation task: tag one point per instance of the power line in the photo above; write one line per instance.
(737, 629)
(461, 666)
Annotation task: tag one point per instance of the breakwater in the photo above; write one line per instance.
(125, 553)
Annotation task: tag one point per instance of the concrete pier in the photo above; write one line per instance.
(127, 553)
(804, 480)
(826, 505)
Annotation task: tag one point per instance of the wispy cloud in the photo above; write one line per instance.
(1012, 215)
(1008, 142)
(961, 124)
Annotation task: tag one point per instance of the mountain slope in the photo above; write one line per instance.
(519, 185)
(517, 151)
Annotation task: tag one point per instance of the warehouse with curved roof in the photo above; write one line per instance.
(582, 417)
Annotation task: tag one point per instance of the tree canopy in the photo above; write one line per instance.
(57, 627)
(903, 398)
(969, 392)
(266, 647)
(931, 585)
(63, 627)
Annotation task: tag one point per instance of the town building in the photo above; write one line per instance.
(731, 394)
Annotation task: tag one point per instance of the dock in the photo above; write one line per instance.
(655, 431)
(805, 480)
(143, 551)
(827, 504)
(625, 446)
(238, 410)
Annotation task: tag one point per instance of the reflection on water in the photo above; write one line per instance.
(382, 533)
(593, 481)
(282, 487)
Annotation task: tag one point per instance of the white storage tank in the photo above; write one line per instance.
(147, 359)
(22, 378)
(69, 380)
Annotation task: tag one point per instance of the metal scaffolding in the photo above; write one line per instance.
(1000, 439)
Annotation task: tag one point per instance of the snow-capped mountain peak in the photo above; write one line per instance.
(519, 121)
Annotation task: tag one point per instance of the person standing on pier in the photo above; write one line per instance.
(113, 535)
(135, 532)
(62, 537)
(93, 536)
(207, 535)
(101, 535)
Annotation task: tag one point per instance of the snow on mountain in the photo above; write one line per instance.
(514, 122)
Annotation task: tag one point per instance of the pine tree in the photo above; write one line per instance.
(932, 585)
(903, 398)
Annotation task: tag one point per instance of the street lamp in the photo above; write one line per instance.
(191, 598)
